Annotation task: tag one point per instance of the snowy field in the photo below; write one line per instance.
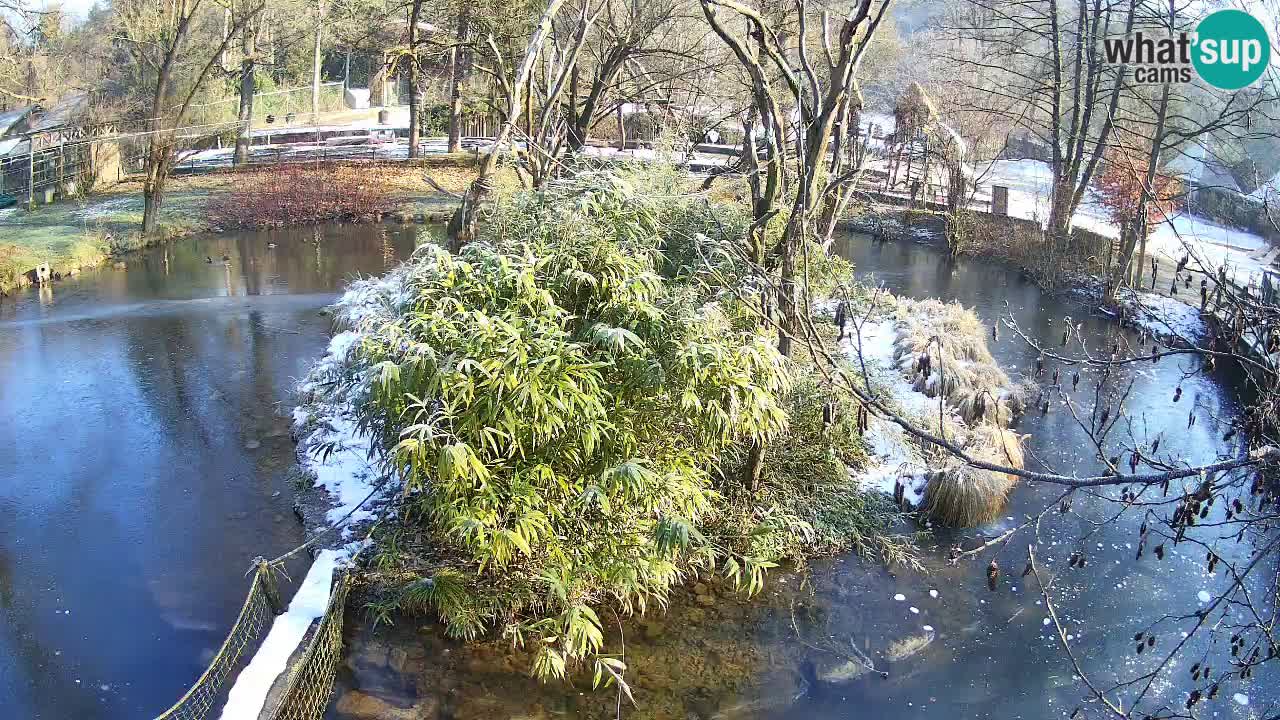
(1242, 253)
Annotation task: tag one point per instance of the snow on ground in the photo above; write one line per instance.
(1030, 184)
(894, 457)
(1165, 317)
(107, 207)
(247, 695)
(346, 473)
(335, 450)
(1242, 254)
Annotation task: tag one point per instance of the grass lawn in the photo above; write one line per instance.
(75, 234)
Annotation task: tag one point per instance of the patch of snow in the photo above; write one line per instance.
(345, 472)
(933, 593)
(899, 597)
(927, 628)
(108, 207)
(247, 696)
(1204, 596)
(1212, 246)
(894, 458)
(1165, 317)
(1240, 698)
(336, 451)
(914, 610)
(1030, 184)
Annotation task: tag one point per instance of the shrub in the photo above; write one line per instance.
(567, 402)
(812, 503)
(556, 411)
(302, 194)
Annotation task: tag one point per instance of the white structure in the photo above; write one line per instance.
(356, 98)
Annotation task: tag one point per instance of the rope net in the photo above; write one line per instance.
(255, 616)
(310, 680)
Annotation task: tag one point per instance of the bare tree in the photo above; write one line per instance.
(1041, 65)
(159, 37)
(462, 227)
(457, 75)
(628, 32)
(248, 75)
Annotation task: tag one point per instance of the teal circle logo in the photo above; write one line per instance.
(1232, 49)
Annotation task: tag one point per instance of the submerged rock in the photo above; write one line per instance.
(840, 672)
(356, 705)
(908, 646)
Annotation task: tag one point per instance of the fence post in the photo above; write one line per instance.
(31, 177)
(269, 587)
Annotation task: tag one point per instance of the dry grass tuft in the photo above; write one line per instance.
(942, 349)
(959, 495)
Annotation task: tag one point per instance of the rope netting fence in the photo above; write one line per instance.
(310, 684)
(310, 680)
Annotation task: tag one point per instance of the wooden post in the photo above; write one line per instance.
(268, 580)
(999, 200)
(31, 177)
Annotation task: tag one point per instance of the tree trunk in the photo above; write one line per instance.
(1122, 270)
(1143, 231)
(462, 228)
(415, 115)
(1061, 208)
(755, 466)
(245, 116)
(582, 117)
(788, 290)
(157, 148)
(315, 64)
(153, 185)
(456, 61)
(622, 130)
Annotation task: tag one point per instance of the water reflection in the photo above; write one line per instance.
(144, 454)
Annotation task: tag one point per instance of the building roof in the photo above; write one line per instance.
(1196, 165)
(10, 118)
(1269, 191)
(62, 112)
(10, 146)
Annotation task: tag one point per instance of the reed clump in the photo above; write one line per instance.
(941, 348)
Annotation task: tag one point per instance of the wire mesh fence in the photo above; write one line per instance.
(70, 161)
(285, 104)
(310, 681)
(207, 692)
